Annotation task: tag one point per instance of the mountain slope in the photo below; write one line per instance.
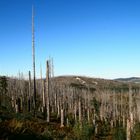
(131, 79)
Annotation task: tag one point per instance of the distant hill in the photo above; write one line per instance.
(87, 82)
(130, 79)
(93, 83)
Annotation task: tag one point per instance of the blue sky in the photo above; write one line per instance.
(97, 38)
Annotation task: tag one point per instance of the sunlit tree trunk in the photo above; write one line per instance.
(80, 113)
(29, 96)
(130, 107)
(62, 118)
(75, 111)
(47, 92)
(33, 53)
(128, 130)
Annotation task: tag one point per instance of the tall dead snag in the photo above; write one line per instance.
(33, 55)
(29, 95)
(52, 87)
(47, 92)
(51, 97)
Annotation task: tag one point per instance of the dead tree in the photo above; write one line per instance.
(128, 130)
(47, 92)
(62, 118)
(80, 112)
(75, 111)
(33, 55)
(29, 96)
(130, 106)
(43, 94)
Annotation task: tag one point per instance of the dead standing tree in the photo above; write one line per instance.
(47, 92)
(29, 95)
(43, 105)
(33, 55)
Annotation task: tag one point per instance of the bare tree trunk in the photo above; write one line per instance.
(43, 95)
(80, 114)
(67, 122)
(62, 118)
(47, 93)
(29, 96)
(16, 108)
(88, 109)
(55, 100)
(94, 122)
(44, 102)
(43, 105)
(13, 101)
(128, 130)
(58, 109)
(43, 91)
(21, 106)
(124, 122)
(75, 111)
(130, 107)
(88, 114)
(33, 53)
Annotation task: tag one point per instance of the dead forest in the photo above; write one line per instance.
(67, 107)
(105, 107)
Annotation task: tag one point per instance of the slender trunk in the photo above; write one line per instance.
(128, 130)
(13, 101)
(43, 91)
(33, 53)
(43, 95)
(62, 118)
(16, 108)
(58, 109)
(88, 114)
(67, 122)
(47, 93)
(130, 108)
(80, 114)
(75, 111)
(123, 121)
(44, 101)
(55, 101)
(29, 96)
